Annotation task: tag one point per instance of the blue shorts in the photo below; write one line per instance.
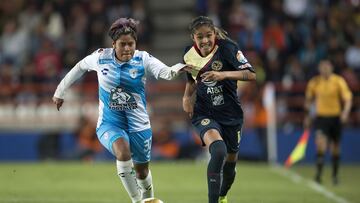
(230, 134)
(140, 142)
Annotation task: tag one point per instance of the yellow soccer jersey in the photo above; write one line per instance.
(328, 94)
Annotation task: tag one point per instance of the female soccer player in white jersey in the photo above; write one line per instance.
(123, 125)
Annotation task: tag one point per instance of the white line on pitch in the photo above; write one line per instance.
(311, 184)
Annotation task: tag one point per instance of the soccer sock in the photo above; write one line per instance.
(127, 176)
(229, 173)
(335, 164)
(218, 152)
(319, 164)
(146, 186)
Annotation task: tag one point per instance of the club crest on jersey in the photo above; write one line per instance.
(121, 100)
(216, 65)
(205, 121)
(240, 57)
(133, 72)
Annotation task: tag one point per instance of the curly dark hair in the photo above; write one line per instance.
(123, 26)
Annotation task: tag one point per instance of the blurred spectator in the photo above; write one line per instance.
(88, 146)
(352, 55)
(14, 42)
(7, 82)
(47, 61)
(260, 122)
(164, 144)
(295, 8)
(97, 25)
(52, 23)
(144, 28)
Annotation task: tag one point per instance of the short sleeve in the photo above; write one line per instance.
(344, 90)
(235, 57)
(309, 93)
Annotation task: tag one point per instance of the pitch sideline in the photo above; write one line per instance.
(309, 183)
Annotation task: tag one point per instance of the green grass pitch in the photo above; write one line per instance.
(175, 182)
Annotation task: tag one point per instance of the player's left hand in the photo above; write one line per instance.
(212, 76)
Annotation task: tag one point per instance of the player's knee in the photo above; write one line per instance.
(218, 150)
(121, 150)
(141, 172)
(122, 156)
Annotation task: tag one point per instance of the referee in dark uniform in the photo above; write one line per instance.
(333, 100)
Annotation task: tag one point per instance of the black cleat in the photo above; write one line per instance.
(335, 180)
(317, 179)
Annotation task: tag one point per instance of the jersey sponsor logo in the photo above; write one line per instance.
(104, 71)
(133, 73)
(205, 121)
(105, 61)
(214, 90)
(240, 57)
(245, 66)
(210, 83)
(216, 93)
(121, 101)
(216, 65)
(217, 99)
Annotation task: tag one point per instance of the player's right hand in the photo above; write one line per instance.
(188, 68)
(59, 102)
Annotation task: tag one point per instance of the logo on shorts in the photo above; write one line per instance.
(205, 121)
(106, 136)
(216, 65)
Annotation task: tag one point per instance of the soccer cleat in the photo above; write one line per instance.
(335, 180)
(317, 179)
(147, 192)
(223, 199)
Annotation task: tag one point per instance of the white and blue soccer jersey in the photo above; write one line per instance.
(122, 101)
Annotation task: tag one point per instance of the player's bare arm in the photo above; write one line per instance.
(188, 98)
(243, 75)
(345, 113)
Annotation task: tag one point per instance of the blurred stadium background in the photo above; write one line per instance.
(283, 39)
